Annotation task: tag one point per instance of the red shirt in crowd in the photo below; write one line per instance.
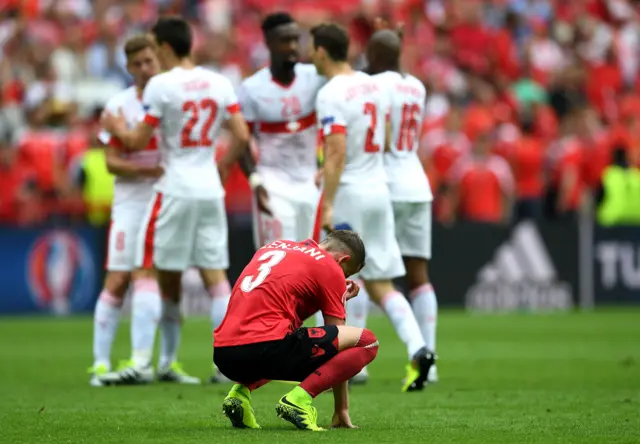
(482, 184)
(604, 84)
(471, 41)
(44, 151)
(505, 53)
(527, 162)
(566, 167)
(445, 149)
(284, 284)
(14, 179)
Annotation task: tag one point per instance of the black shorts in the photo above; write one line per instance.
(292, 358)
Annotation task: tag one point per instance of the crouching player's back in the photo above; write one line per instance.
(261, 337)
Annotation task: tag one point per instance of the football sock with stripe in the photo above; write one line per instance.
(146, 309)
(105, 324)
(425, 307)
(342, 367)
(170, 329)
(399, 311)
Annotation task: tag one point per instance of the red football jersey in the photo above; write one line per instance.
(284, 284)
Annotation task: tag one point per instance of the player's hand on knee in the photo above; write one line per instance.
(341, 420)
(352, 289)
(262, 197)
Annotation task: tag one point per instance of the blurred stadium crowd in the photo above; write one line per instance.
(527, 99)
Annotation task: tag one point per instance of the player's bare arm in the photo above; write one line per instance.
(134, 139)
(334, 158)
(240, 152)
(118, 166)
(239, 142)
(387, 136)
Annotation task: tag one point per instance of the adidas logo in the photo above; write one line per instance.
(521, 276)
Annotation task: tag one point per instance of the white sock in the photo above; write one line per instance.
(358, 308)
(170, 329)
(319, 319)
(220, 294)
(425, 307)
(399, 312)
(105, 324)
(146, 309)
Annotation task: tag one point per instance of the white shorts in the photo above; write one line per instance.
(293, 218)
(413, 228)
(126, 223)
(369, 212)
(179, 233)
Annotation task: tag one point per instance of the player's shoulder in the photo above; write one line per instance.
(122, 98)
(257, 80)
(164, 77)
(308, 71)
(161, 81)
(414, 82)
(387, 76)
(334, 87)
(211, 74)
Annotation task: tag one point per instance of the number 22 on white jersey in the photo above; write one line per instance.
(267, 261)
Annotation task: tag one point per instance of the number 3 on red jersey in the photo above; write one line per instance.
(267, 261)
(205, 110)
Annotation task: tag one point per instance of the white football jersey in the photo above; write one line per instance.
(354, 104)
(189, 106)
(405, 173)
(283, 122)
(127, 188)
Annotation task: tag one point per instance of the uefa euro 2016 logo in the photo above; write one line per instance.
(60, 272)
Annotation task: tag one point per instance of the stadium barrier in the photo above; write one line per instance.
(527, 267)
(616, 265)
(50, 270)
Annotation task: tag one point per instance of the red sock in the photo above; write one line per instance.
(342, 367)
(256, 385)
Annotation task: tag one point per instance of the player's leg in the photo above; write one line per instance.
(145, 301)
(319, 357)
(105, 322)
(357, 313)
(413, 232)
(119, 262)
(211, 256)
(146, 308)
(309, 225)
(329, 356)
(219, 288)
(384, 263)
(176, 238)
(347, 215)
(169, 368)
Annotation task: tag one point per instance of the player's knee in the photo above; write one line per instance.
(368, 342)
(417, 272)
(143, 273)
(117, 283)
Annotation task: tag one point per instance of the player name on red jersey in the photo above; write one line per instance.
(315, 253)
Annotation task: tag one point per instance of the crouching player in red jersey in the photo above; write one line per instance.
(261, 337)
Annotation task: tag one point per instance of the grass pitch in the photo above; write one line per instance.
(564, 378)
